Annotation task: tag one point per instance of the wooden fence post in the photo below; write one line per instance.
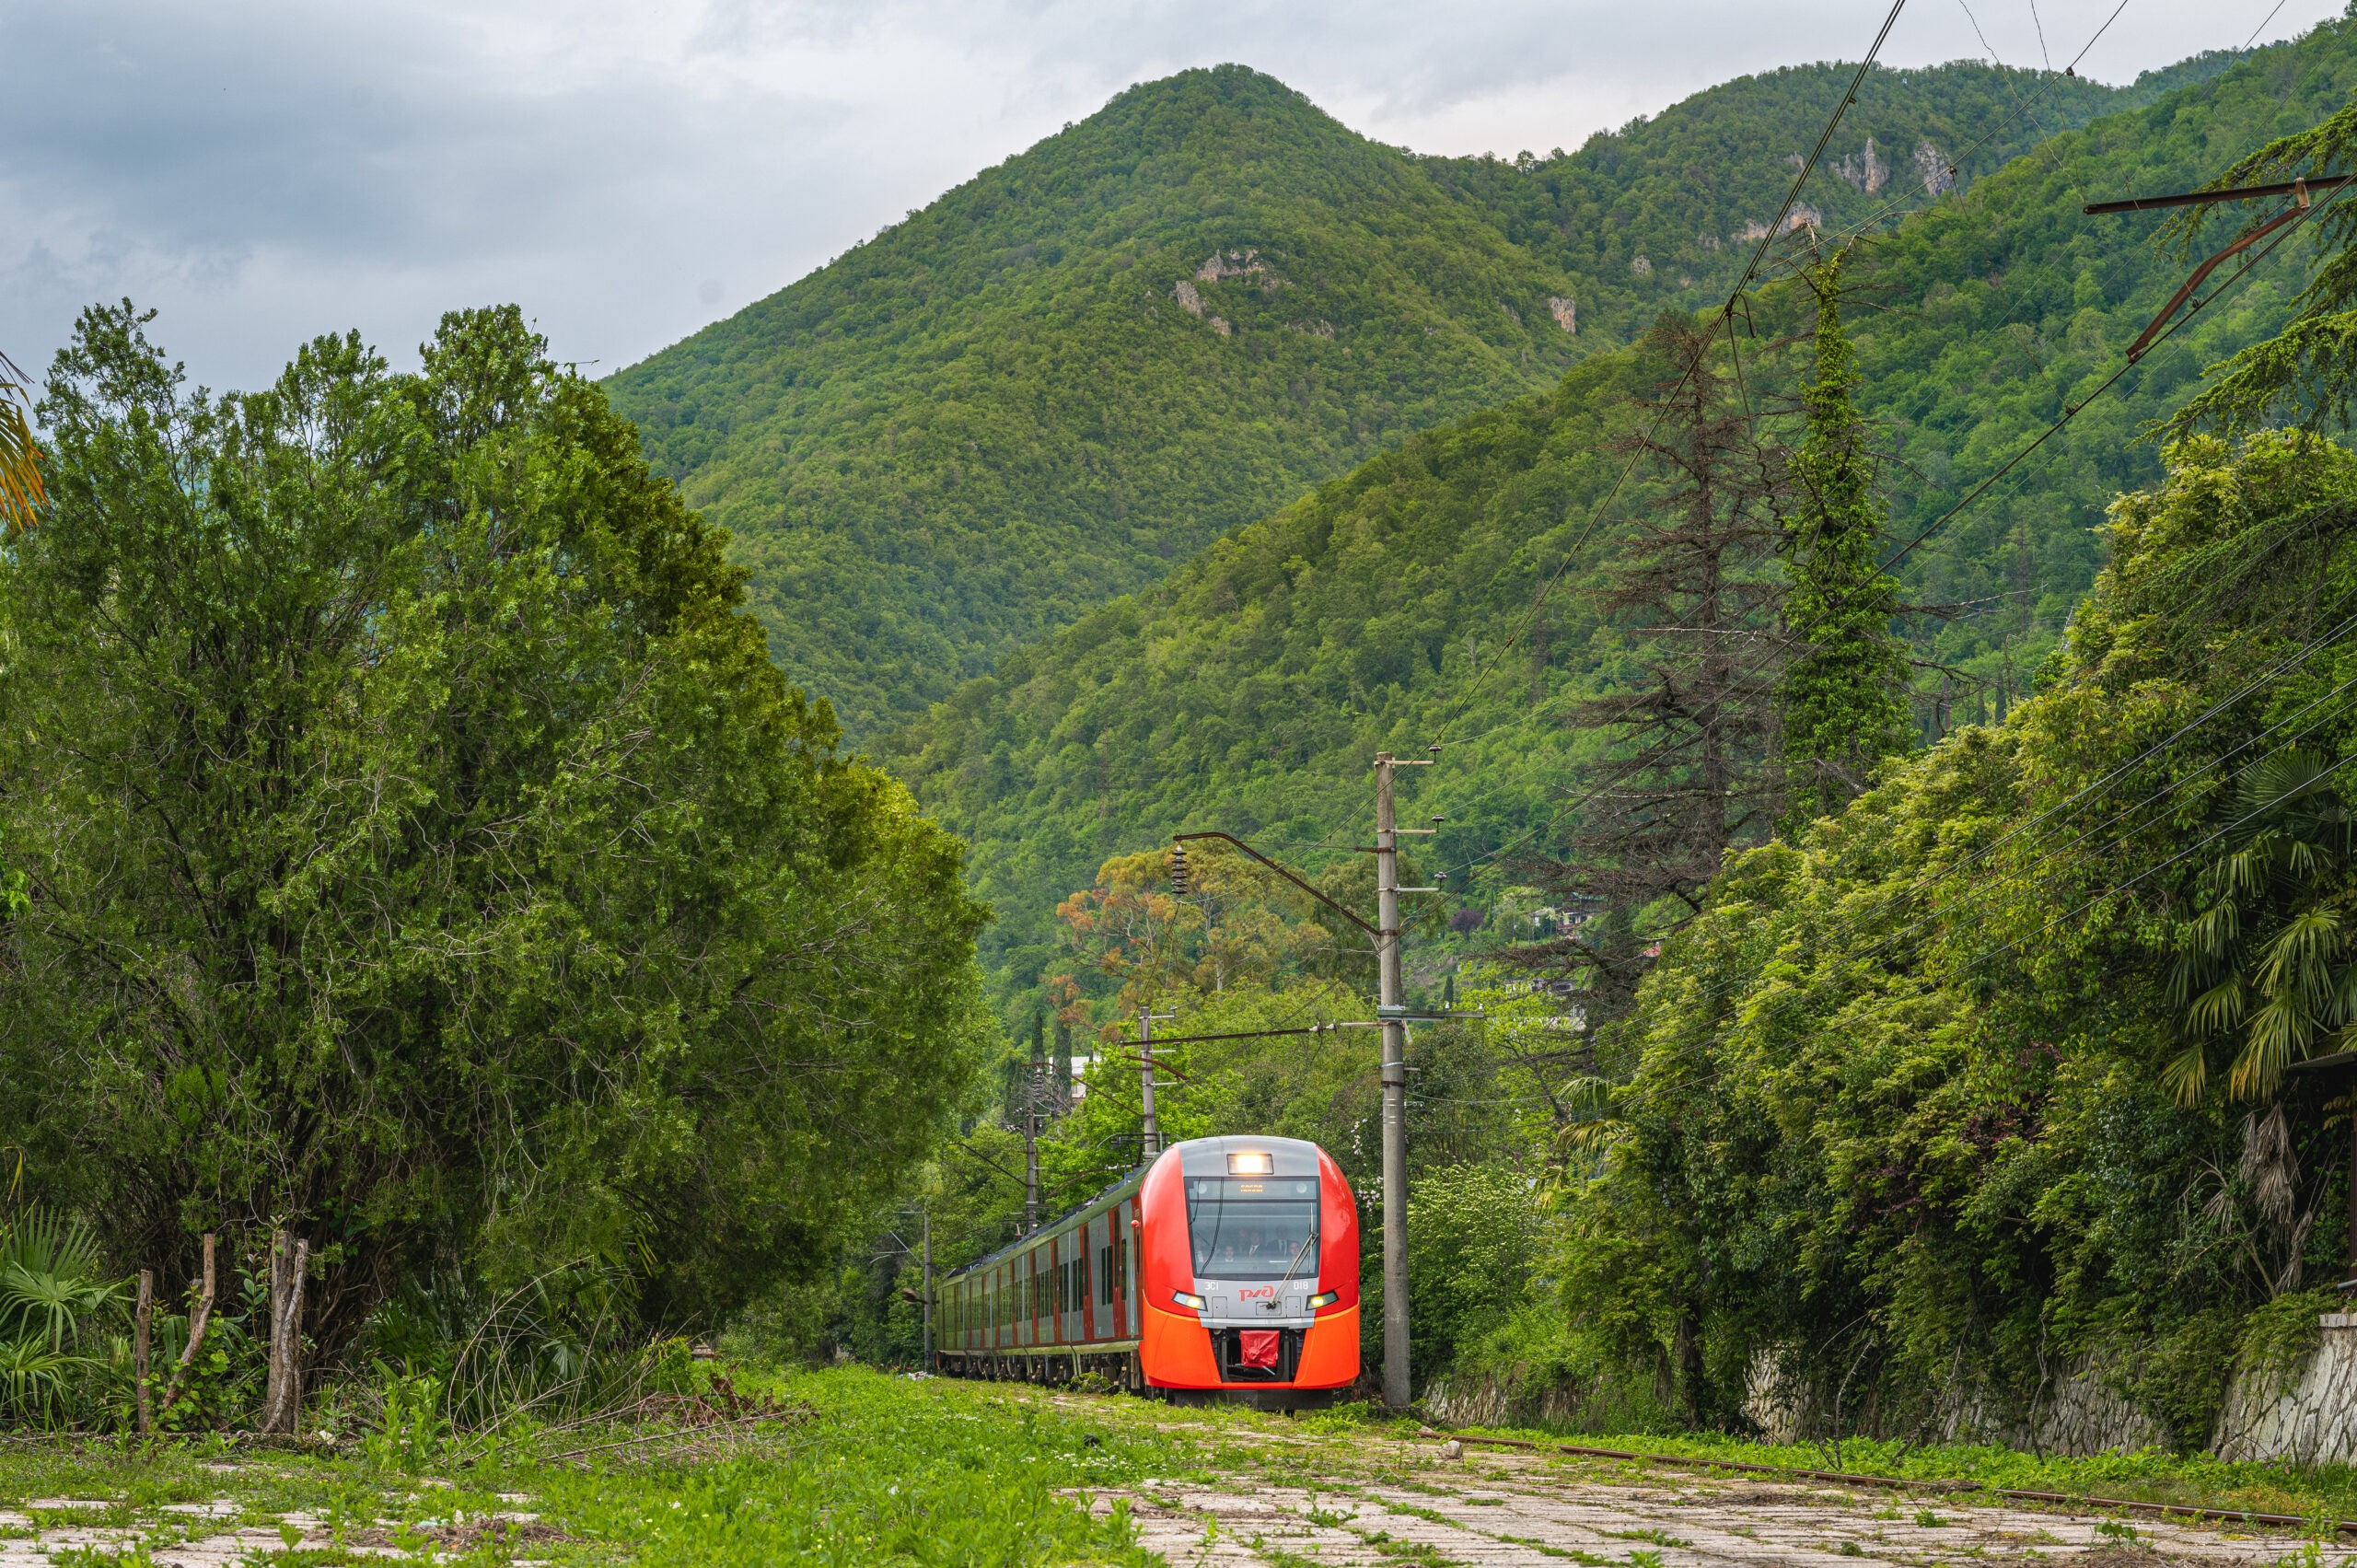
(282, 1404)
(199, 1320)
(143, 1334)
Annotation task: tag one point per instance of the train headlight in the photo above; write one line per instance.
(1324, 1299)
(1189, 1299)
(1252, 1165)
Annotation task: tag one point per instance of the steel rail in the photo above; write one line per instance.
(2126, 1504)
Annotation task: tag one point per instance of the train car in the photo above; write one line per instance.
(1226, 1269)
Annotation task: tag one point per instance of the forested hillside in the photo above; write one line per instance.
(1664, 213)
(1062, 379)
(1250, 691)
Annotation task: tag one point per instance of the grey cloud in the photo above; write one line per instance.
(631, 169)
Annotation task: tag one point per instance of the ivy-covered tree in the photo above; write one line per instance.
(1844, 695)
(425, 854)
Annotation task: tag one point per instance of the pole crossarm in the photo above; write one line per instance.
(2204, 198)
(1262, 1034)
(1239, 844)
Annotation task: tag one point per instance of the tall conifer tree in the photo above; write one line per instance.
(1694, 590)
(1844, 694)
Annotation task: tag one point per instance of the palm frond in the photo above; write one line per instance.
(2279, 1031)
(2186, 1075)
(21, 493)
(2296, 961)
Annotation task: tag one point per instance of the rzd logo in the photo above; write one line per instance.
(1269, 1291)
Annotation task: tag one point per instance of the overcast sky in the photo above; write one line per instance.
(630, 170)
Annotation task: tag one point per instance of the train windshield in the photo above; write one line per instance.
(1253, 1229)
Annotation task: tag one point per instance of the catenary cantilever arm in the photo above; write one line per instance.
(1288, 875)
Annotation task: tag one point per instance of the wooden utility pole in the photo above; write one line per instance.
(200, 1317)
(926, 1219)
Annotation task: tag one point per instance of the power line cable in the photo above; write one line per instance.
(2262, 26)
(1848, 925)
(2074, 410)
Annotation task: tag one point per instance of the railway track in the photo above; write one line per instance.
(1519, 1509)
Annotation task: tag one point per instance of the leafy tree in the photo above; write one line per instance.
(21, 497)
(1844, 690)
(1474, 1235)
(425, 852)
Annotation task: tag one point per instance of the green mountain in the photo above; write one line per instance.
(1083, 366)
(1250, 689)
(1666, 212)
(1077, 368)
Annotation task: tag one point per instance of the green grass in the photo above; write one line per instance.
(890, 1471)
(895, 1470)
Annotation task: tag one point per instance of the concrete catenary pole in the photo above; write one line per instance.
(1031, 1089)
(1152, 1144)
(1395, 1089)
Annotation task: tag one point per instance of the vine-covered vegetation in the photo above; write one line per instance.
(1908, 1092)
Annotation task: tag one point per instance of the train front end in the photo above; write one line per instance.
(1249, 1273)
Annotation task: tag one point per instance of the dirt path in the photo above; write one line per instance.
(1511, 1511)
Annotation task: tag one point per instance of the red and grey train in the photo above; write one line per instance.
(1227, 1268)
